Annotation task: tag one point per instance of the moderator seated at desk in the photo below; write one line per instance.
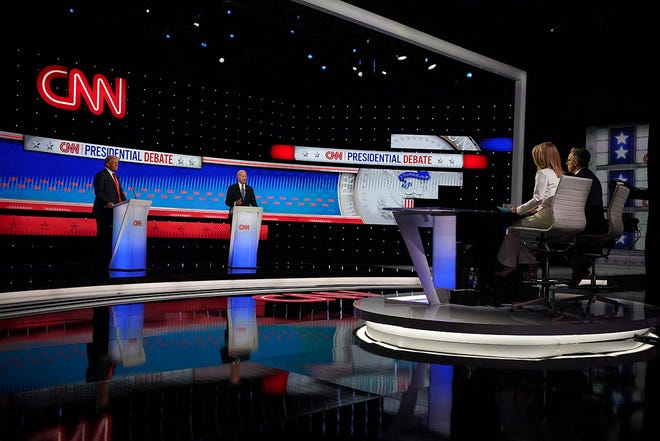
(437, 286)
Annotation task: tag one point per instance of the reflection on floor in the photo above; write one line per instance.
(219, 365)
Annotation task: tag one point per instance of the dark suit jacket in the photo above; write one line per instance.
(105, 191)
(234, 194)
(593, 209)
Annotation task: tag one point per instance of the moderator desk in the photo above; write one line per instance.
(437, 286)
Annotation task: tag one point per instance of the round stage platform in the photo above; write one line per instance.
(410, 324)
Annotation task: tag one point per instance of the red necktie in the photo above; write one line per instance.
(114, 176)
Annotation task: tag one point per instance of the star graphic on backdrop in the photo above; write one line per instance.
(621, 178)
(621, 240)
(621, 138)
(621, 153)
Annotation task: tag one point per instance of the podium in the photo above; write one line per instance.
(244, 239)
(129, 239)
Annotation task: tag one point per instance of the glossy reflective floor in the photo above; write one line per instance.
(258, 356)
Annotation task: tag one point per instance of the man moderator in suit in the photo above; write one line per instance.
(240, 194)
(108, 192)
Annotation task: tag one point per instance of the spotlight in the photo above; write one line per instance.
(431, 67)
(401, 57)
(469, 75)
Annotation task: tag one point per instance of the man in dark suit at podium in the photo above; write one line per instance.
(240, 194)
(108, 192)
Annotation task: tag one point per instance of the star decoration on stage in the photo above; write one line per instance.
(621, 152)
(621, 138)
(621, 177)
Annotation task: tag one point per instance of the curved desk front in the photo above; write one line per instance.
(437, 286)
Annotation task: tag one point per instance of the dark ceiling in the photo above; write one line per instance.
(593, 56)
(588, 62)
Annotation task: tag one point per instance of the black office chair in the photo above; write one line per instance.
(599, 246)
(568, 221)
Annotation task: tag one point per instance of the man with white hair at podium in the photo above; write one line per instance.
(240, 194)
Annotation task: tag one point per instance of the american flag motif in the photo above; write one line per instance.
(622, 145)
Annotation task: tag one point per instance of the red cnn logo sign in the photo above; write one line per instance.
(243, 226)
(79, 88)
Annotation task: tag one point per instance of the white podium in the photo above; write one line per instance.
(129, 239)
(244, 239)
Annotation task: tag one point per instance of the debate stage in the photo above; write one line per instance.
(336, 356)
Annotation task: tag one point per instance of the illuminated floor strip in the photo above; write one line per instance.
(48, 300)
(514, 347)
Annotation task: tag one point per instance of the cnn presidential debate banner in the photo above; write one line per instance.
(42, 174)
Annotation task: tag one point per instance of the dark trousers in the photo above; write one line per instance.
(103, 243)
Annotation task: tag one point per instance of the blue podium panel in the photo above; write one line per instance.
(129, 238)
(244, 239)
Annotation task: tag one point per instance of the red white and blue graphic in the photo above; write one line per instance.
(622, 145)
(626, 176)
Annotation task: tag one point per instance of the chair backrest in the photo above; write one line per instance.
(618, 199)
(568, 205)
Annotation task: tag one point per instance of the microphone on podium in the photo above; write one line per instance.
(132, 191)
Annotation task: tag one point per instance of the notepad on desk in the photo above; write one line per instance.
(504, 210)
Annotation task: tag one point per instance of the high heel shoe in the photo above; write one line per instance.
(504, 271)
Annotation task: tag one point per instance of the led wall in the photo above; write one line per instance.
(620, 153)
(144, 81)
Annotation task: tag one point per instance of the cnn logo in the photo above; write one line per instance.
(95, 95)
(243, 227)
